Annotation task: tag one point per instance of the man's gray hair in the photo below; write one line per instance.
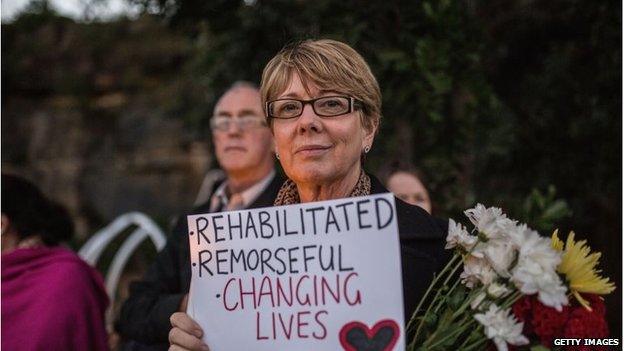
(242, 84)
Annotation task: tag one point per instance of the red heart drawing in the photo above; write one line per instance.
(356, 336)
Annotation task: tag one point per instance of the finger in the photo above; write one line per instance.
(177, 348)
(183, 321)
(185, 340)
(183, 303)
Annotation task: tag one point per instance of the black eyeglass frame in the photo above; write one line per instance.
(353, 104)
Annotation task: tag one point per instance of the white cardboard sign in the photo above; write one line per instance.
(315, 276)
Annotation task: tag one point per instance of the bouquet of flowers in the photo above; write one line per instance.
(507, 286)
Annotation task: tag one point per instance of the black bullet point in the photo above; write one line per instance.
(191, 233)
(218, 296)
(194, 264)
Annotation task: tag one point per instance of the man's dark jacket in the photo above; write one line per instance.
(143, 322)
(145, 316)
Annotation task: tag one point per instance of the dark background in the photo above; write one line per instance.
(512, 103)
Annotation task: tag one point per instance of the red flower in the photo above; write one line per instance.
(548, 323)
(596, 303)
(543, 324)
(522, 310)
(588, 324)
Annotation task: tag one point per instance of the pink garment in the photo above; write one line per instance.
(51, 300)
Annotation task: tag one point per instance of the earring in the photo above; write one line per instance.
(366, 149)
(277, 155)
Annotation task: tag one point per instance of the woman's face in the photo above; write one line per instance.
(319, 150)
(409, 189)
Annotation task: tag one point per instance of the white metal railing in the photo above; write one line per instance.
(94, 247)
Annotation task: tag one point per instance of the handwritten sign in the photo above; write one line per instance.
(316, 276)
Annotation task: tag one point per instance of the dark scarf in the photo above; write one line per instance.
(288, 194)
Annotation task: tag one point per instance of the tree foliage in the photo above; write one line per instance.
(494, 100)
(497, 101)
(485, 97)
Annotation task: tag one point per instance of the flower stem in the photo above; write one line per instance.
(433, 283)
(441, 302)
(465, 305)
(462, 325)
(471, 337)
(474, 345)
(511, 300)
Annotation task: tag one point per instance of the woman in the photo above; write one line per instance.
(407, 183)
(51, 299)
(323, 105)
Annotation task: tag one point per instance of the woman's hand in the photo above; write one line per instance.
(185, 333)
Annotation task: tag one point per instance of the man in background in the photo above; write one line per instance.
(244, 149)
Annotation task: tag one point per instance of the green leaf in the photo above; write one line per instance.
(428, 10)
(430, 320)
(457, 298)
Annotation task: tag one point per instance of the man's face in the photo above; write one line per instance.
(245, 148)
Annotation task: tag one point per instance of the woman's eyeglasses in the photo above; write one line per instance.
(326, 106)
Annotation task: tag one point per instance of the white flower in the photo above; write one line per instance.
(514, 232)
(496, 290)
(490, 221)
(458, 235)
(500, 254)
(529, 241)
(493, 291)
(535, 271)
(530, 278)
(477, 270)
(479, 250)
(501, 327)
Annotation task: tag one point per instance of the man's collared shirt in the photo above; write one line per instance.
(220, 199)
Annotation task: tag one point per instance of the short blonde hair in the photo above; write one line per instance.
(328, 64)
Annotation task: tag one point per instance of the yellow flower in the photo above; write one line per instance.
(578, 265)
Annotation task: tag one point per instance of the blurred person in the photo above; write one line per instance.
(51, 299)
(244, 149)
(408, 184)
(323, 105)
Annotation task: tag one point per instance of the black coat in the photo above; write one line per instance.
(422, 240)
(144, 317)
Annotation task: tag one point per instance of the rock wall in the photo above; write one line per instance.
(96, 131)
(136, 162)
